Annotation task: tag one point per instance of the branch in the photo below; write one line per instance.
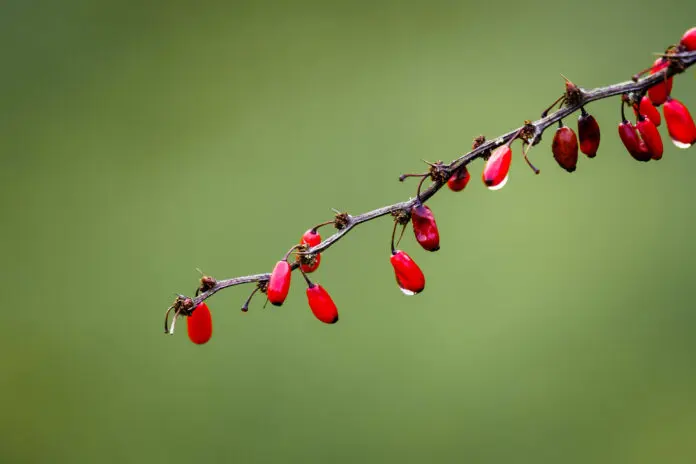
(532, 135)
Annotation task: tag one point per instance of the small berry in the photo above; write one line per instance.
(279, 283)
(680, 124)
(459, 179)
(635, 146)
(495, 172)
(321, 304)
(311, 238)
(588, 132)
(688, 40)
(565, 148)
(425, 228)
(650, 135)
(646, 108)
(200, 324)
(658, 93)
(408, 275)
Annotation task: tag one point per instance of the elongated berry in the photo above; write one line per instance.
(200, 324)
(279, 283)
(650, 135)
(321, 304)
(658, 93)
(635, 146)
(588, 132)
(408, 275)
(680, 124)
(646, 108)
(311, 238)
(495, 172)
(459, 179)
(688, 40)
(565, 148)
(425, 228)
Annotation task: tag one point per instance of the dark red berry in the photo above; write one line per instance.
(588, 132)
(646, 108)
(459, 179)
(408, 275)
(495, 172)
(565, 148)
(688, 40)
(635, 146)
(650, 135)
(425, 228)
(680, 124)
(279, 283)
(311, 238)
(200, 324)
(321, 304)
(658, 93)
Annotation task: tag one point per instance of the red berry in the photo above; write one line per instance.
(565, 148)
(635, 146)
(425, 228)
(459, 179)
(688, 40)
(312, 239)
(658, 94)
(200, 324)
(279, 283)
(588, 132)
(321, 304)
(646, 108)
(648, 132)
(495, 172)
(409, 277)
(680, 124)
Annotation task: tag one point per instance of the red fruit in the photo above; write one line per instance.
(312, 239)
(588, 132)
(425, 228)
(635, 146)
(658, 94)
(648, 132)
(565, 148)
(321, 304)
(495, 172)
(200, 324)
(409, 277)
(688, 40)
(459, 179)
(680, 124)
(279, 283)
(646, 108)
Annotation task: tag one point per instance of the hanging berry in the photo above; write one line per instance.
(425, 228)
(658, 93)
(688, 40)
(408, 275)
(279, 283)
(647, 109)
(321, 304)
(495, 172)
(631, 140)
(311, 238)
(565, 147)
(459, 179)
(588, 132)
(680, 124)
(650, 135)
(199, 324)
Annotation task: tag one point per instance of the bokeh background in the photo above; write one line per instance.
(140, 140)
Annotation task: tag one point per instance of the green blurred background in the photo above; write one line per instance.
(141, 140)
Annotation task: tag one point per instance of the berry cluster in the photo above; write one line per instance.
(641, 139)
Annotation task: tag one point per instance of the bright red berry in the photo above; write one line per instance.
(321, 304)
(658, 93)
(635, 146)
(311, 238)
(680, 124)
(646, 108)
(688, 40)
(565, 148)
(459, 179)
(409, 277)
(588, 132)
(495, 172)
(425, 228)
(200, 324)
(279, 283)
(650, 135)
